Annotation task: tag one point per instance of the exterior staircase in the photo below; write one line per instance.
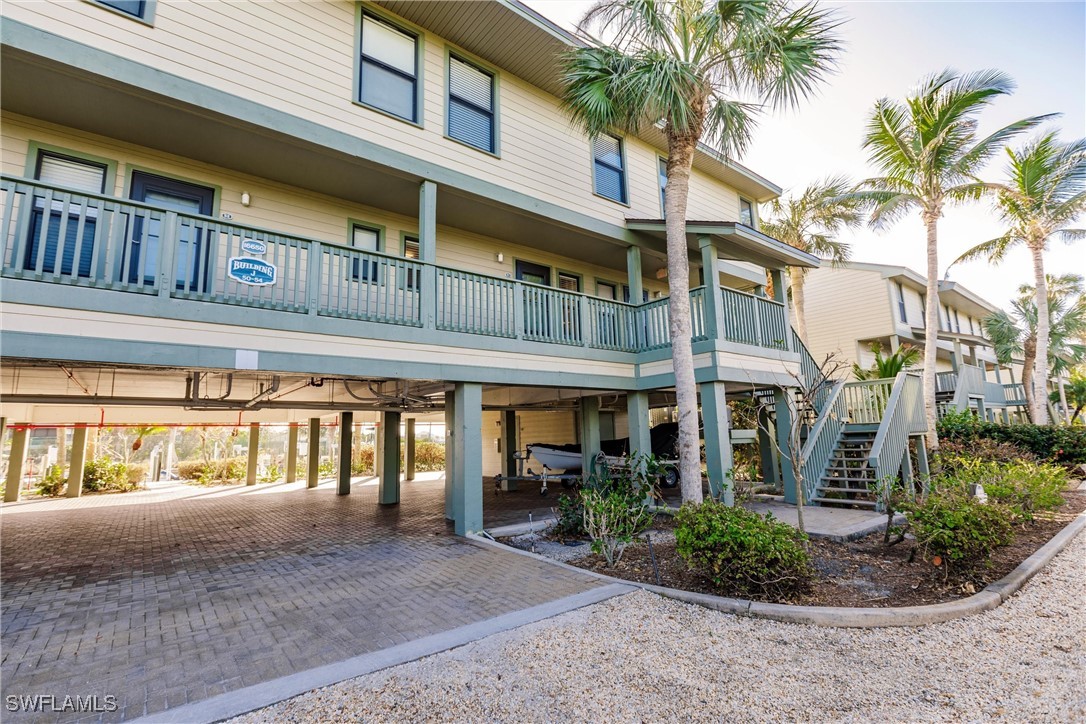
(849, 478)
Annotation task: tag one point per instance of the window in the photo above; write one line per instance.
(662, 163)
(626, 294)
(388, 77)
(138, 9)
(569, 282)
(411, 251)
(366, 238)
(746, 213)
(946, 311)
(606, 290)
(72, 173)
(901, 303)
(608, 168)
(471, 105)
(957, 322)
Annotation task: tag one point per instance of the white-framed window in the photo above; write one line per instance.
(569, 282)
(388, 74)
(138, 9)
(661, 164)
(471, 105)
(609, 167)
(366, 238)
(746, 212)
(901, 303)
(607, 290)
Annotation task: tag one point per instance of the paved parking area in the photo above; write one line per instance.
(173, 596)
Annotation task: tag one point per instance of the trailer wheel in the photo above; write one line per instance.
(670, 478)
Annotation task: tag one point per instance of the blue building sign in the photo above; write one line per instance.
(248, 270)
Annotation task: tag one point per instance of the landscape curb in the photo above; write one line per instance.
(991, 597)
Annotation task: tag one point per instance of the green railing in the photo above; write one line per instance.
(822, 439)
(904, 416)
(62, 236)
(866, 401)
(1014, 393)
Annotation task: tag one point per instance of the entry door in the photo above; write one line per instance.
(537, 302)
(191, 254)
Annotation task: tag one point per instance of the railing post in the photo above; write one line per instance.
(586, 320)
(781, 295)
(756, 307)
(518, 310)
(313, 277)
(167, 254)
(714, 298)
(633, 274)
(428, 300)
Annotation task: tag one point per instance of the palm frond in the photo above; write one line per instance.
(993, 250)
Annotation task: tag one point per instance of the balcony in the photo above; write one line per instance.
(55, 236)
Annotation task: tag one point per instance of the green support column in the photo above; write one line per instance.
(346, 448)
(292, 453)
(450, 454)
(16, 463)
(428, 300)
(388, 488)
(714, 298)
(78, 462)
(634, 275)
(637, 414)
(780, 294)
(313, 462)
(254, 453)
(766, 449)
(718, 442)
(590, 434)
(783, 404)
(468, 475)
(509, 442)
(409, 449)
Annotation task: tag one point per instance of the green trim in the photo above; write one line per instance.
(494, 73)
(51, 49)
(148, 17)
(34, 148)
(625, 170)
(379, 228)
(365, 8)
(216, 189)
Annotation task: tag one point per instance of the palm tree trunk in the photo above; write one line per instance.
(795, 276)
(1040, 370)
(931, 329)
(680, 159)
(1029, 356)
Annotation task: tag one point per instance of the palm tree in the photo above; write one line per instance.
(929, 153)
(684, 65)
(1075, 394)
(887, 367)
(810, 222)
(1045, 192)
(1016, 333)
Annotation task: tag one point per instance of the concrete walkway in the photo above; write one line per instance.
(179, 594)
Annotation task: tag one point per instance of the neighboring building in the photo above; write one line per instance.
(293, 210)
(854, 305)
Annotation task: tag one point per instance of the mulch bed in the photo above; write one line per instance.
(859, 573)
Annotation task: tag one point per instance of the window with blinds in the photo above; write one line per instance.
(569, 282)
(45, 224)
(388, 69)
(411, 251)
(366, 239)
(471, 105)
(71, 173)
(610, 172)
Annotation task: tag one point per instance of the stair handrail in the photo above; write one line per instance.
(970, 383)
(815, 454)
(903, 417)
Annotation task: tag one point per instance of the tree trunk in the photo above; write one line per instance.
(931, 328)
(680, 159)
(1029, 357)
(795, 275)
(1063, 403)
(1040, 370)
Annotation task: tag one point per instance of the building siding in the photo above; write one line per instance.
(844, 305)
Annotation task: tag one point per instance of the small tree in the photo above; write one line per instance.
(889, 366)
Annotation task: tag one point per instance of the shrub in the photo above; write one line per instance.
(741, 552)
(429, 456)
(362, 460)
(227, 470)
(272, 473)
(326, 468)
(570, 514)
(138, 474)
(982, 448)
(1062, 445)
(1025, 487)
(614, 507)
(103, 474)
(959, 528)
(53, 482)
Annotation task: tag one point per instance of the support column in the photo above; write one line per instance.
(78, 463)
(468, 475)
(718, 444)
(313, 462)
(378, 447)
(714, 298)
(634, 275)
(780, 294)
(907, 468)
(783, 404)
(637, 414)
(428, 253)
(292, 453)
(766, 449)
(346, 448)
(388, 488)
(450, 454)
(590, 434)
(409, 449)
(922, 461)
(509, 443)
(16, 463)
(254, 453)
(956, 355)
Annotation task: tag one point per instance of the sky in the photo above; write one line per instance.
(890, 46)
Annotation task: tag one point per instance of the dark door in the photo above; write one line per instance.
(191, 252)
(537, 302)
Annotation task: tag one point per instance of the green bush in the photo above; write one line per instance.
(982, 448)
(53, 482)
(102, 474)
(952, 524)
(1025, 487)
(227, 470)
(272, 473)
(138, 473)
(741, 552)
(362, 461)
(1062, 445)
(614, 507)
(570, 515)
(429, 456)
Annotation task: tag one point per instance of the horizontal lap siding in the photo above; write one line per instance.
(299, 57)
(842, 306)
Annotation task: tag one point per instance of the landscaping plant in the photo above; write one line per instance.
(53, 482)
(102, 474)
(1063, 445)
(742, 552)
(615, 505)
(1024, 487)
(953, 528)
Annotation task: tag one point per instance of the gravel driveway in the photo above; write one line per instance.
(641, 657)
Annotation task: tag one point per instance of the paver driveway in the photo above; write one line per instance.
(168, 602)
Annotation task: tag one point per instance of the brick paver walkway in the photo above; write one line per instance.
(189, 594)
